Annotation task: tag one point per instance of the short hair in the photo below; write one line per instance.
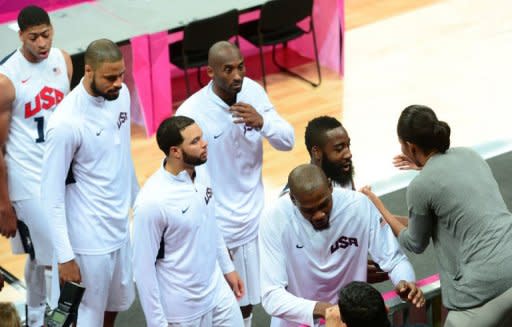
(8, 315)
(219, 50)
(419, 125)
(32, 16)
(361, 305)
(316, 130)
(169, 132)
(306, 178)
(102, 51)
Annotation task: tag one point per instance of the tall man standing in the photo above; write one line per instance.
(33, 80)
(181, 263)
(235, 115)
(89, 184)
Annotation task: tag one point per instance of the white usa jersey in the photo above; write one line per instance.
(39, 87)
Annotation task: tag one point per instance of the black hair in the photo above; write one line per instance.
(316, 130)
(101, 51)
(419, 125)
(361, 305)
(169, 132)
(32, 16)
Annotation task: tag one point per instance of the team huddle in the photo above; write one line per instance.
(205, 248)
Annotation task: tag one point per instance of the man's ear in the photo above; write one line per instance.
(209, 71)
(316, 153)
(291, 197)
(175, 152)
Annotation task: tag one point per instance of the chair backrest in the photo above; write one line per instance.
(279, 14)
(200, 35)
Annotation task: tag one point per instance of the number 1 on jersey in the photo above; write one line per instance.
(40, 129)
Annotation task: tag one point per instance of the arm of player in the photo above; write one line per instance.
(385, 250)
(276, 300)
(134, 188)
(148, 228)
(69, 64)
(60, 146)
(277, 131)
(227, 267)
(7, 214)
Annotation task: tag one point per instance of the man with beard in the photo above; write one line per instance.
(235, 115)
(89, 185)
(181, 263)
(315, 241)
(328, 145)
(33, 80)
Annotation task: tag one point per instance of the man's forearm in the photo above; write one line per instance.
(4, 190)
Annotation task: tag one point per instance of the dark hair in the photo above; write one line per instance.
(101, 51)
(169, 132)
(32, 16)
(419, 125)
(316, 129)
(361, 305)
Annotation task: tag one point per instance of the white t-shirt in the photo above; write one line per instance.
(300, 265)
(235, 155)
(174, 217)
(89, 137)
(39, 87)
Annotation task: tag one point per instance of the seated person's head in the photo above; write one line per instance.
(8, 315)
(361, 305)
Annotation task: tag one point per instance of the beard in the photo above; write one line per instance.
(107, 96)
(192, 160)
(336, 173)
(321, 227)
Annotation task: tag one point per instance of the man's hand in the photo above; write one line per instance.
(403, 163)
(333, 317)
(236, 284)
(375, 274)
(408, 291)
(69, 272)
(8, 221)
(319, 310)
(246, 114)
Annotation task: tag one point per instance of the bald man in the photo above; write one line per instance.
(235, 115)
(89, 184)
(315, 241)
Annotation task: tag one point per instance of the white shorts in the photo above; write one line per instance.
(108, 282)
(246, 259)
(32, 214)
(226, 312)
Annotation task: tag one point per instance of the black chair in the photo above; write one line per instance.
(278, 25)
(198, 37)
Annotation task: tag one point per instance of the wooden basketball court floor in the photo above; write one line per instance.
(452, 55)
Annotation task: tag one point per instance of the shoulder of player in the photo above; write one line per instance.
(344, 199)
(278, 214)
(7, 86)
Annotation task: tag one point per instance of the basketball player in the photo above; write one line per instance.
(235, 115)
(315, 241)
(88, 186)
(181, 263)
(33, 80)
